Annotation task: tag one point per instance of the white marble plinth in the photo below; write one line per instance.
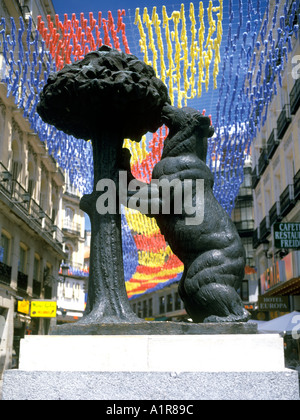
(151, 367)
(150, 353)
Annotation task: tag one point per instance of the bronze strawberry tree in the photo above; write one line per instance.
(105, 97)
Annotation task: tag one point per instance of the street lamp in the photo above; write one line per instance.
(266, 249)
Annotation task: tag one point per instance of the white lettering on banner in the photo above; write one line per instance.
(287, 235)
(289, 227)
(289, 243)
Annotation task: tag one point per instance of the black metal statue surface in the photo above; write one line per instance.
(109, 96)
(210, 248)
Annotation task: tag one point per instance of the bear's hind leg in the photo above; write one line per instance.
(223, 303)
(209, 289)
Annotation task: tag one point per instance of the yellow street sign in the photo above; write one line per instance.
(23, 306)
(43, 309)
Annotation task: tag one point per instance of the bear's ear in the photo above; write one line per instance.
(203, 120)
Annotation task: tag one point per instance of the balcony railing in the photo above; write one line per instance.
(5, 273)
(36, 288)
(295, 97)
(22, 281)
(283, 121)
(256, 238)
(297, 186)
(262, 162)
(22, 200)
(287, 200)
(245, 193)
(244, 225)
(255, 178)
(265, 228)
(274, 213)
(71, 228)
(272, 143)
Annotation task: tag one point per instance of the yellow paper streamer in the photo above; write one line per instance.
(162, 273)
(182, 56)
(141, 224)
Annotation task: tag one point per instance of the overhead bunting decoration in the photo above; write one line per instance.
(223, 57)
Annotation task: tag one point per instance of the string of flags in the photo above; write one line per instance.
(228, 56)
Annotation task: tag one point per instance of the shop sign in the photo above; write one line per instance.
(287, 235)
(23, 307)
(283, 270)
(273, 303)
(43, 309)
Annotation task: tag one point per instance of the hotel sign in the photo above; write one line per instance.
(273, 303)
(287, 235)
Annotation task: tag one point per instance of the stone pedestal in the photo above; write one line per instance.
(151, 367)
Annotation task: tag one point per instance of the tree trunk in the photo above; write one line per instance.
(107, 297)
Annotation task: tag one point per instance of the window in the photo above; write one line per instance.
(36, 268)
(16, 164)
(267, 198)
(247, 178)
(162, 309)
(44, 201)
(245, 291)
(145, 309)
(243, 211)
(150, 312)
(31, 181)
(248, 245)
(48, 277)
(290, 169)
(22, 259)
(4, 248)
(177, 301)
(277, 187)
(69, 216)
(169, 303)
(139, 309)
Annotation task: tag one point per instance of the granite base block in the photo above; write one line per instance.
(25, 385)
(155, 328)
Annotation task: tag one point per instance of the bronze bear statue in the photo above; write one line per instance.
(212, 251)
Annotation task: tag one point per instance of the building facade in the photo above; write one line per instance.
(72, 288)
(276, 188)
(31, 190)
(243, 217)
